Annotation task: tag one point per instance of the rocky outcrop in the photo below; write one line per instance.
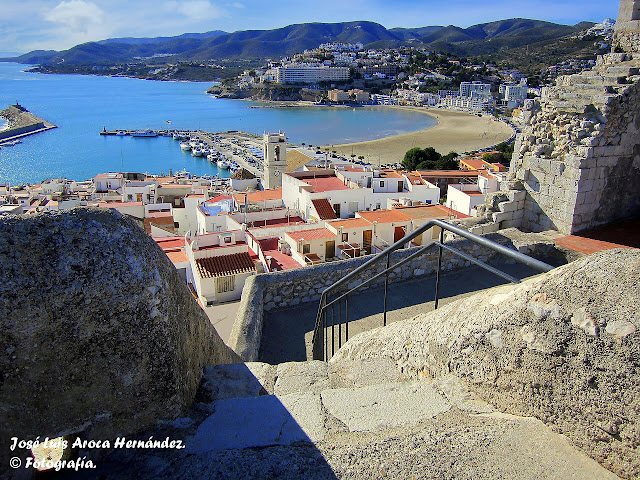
(98, 333)
(563, 347)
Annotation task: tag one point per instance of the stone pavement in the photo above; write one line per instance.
(315, 420)
(222, 316)
(287, 333)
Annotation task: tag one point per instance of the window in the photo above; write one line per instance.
(306, 248)
(345, 237)
(226, 238)
(381, 184)
(176, 225)
(225, 284)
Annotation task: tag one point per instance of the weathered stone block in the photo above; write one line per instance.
(105, 336)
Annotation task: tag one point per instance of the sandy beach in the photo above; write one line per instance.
(456, 132)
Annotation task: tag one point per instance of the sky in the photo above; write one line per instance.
(27, 25)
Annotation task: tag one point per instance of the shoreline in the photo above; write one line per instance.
(455, 132)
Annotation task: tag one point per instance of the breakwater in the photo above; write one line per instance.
(21, 123)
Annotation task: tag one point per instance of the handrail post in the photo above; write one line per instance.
(439, 267)
(386, 290)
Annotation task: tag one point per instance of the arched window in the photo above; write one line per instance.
(277, 150)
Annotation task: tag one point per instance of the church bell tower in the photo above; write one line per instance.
(275, 159)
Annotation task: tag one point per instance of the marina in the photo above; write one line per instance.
(228, 151)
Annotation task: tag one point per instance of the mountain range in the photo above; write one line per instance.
(479, 39)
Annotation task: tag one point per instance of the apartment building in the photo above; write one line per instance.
(310, 74)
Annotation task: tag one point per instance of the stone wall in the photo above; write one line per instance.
(578, 156)
(266, 292)
(627, 30)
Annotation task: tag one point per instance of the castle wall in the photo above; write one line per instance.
(578, 159)
(627, 33)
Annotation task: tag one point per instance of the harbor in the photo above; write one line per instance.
(230, 150)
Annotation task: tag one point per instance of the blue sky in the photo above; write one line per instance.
(58, 24)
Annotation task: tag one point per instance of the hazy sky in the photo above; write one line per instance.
(43, 24)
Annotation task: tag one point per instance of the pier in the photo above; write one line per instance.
(21, 124)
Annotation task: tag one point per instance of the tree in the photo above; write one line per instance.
(418, 158)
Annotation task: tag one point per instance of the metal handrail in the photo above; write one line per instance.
(319, 334)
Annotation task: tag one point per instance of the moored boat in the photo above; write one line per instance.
(223, 164)
(185, 146)
(144, 133)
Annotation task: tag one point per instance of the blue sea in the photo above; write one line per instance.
(82, 105)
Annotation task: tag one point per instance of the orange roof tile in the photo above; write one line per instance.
(259, 196)
(389, 174)
(313, 234)
(170, 243)
(324, 209)
(225, 265)
(384, 216)
(350, 223)
(177, 257)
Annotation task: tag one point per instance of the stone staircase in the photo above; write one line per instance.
(598, 87)
(349, 419)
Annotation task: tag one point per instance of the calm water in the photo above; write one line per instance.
(81, 105)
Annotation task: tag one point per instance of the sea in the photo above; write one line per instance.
(82, 105)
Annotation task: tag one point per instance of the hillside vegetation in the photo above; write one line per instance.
(483, 39)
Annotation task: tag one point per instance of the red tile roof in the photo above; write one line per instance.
(324, 209)
(225, 265)
(325, 184)
(314, 234)
(474, 163)
(384, 216)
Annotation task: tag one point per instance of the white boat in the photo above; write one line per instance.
(144, 133)
(121, 133)
(177, 136)
(212, 157)
(196, 152)
(185, 146)
(223, 164)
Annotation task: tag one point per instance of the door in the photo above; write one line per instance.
(400, 186)
(366, 241)
(398, 233)
(330, 250)
(138, 197)
(336, 208)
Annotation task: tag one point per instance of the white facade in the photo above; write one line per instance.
(467, 89)
(308, 74)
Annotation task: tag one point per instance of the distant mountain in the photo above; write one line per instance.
(480, 39)
(146, 41)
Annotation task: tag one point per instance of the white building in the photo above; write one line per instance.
(349, 190)
(468, 89)
(220, 264)
(464, 198)
(514, 95)
(308, 74)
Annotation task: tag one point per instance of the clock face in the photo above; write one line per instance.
(276, 173)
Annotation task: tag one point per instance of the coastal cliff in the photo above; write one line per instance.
(266, 92)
